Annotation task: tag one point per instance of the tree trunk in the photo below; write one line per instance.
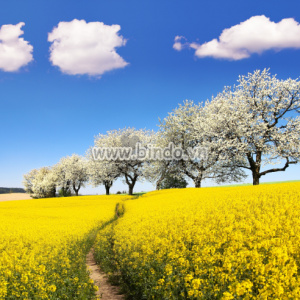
(256, 174)
(130, 192)
(131, 180)
(197, 182)
(107, 188)
(108, 184)
(255, 166)
(67, 189)
(76, 190)
(255, 178)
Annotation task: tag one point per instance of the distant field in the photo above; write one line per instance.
(14, 196)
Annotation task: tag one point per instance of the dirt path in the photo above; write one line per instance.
(14, 196)
(106, 290)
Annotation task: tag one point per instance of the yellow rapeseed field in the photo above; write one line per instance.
(43, 244)
(208, 243)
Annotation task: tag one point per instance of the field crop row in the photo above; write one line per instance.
(43, 245)
(209, 243)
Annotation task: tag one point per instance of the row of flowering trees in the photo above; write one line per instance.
(68, 175)
(252, 126)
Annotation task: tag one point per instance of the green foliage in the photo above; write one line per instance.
(64, 193)
(121, 193)
(171, 181)
(120, 209)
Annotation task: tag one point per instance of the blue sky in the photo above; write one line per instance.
(48, 114)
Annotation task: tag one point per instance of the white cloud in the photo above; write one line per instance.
(15, 52)
(178, 45)
(255, 35)
(79, 47)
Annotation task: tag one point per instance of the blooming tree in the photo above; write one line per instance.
(71, 173)
(250, 126)
(28, 181)
(101, 172)
(123, 153)
(61, 178)
(257, 121)
(40, 183)
(188, 127)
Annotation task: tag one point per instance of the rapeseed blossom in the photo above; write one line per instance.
(43, 246)
(208, 243)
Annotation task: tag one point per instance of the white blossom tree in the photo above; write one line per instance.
(61, 179)
(40, 183)
(126, 158)
(157, 168)
(188, 127)
(257, 121)
(101, 172)
(28, 181)
(71, 173)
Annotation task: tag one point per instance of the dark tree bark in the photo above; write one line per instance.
(107, 188)
(108, 184)
(130, 192)
(66, 189)
(53, 192)
(131, 180)
(76, 190)
(255, 167)
(197, 182)
(255, 178)
(197, 179)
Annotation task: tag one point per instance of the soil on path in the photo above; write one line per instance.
(106, 291)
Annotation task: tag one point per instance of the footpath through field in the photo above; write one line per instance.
(106, 291)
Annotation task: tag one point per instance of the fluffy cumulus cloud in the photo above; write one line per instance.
(255, 35)
(15, 52)
(79, 47)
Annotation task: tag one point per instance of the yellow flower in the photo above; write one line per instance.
(227, 296)
(52, 288)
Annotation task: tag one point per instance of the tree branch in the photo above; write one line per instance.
(278, 169)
